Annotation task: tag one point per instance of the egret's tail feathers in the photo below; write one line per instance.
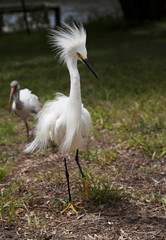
(31, 147)
(46, 122)
(36, 145)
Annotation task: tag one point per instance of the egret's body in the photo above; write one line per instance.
(60, 121)
(25, 103)
(65, 120)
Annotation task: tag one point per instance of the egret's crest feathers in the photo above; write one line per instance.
(68, 40)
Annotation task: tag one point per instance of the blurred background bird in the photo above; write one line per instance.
(64, 119)
(25, 103)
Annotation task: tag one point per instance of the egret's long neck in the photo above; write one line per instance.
(18, 102)
(75, 90)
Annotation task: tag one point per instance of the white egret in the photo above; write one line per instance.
(64, 119)
(25, 103)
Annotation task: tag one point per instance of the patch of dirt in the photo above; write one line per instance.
(41, 184)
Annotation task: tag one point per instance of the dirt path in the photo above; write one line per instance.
(38, 182)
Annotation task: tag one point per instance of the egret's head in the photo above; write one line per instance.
(15, 87)
(70, 43)
(85, 60)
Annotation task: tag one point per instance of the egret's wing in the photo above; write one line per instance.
(46, 123)
(86, 123)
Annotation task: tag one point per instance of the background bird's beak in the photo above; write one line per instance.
(85, 60)
(11, 96)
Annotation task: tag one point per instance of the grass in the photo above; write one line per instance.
(104, 193)
(3, 171)
(128, 102)
(129, 97)
(151, 197)
(101, 191)
(99, 156)
(8, 203)
(4, 165)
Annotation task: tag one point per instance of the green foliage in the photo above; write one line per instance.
(101, 189)
(104, 193)
(151, 197)
(3, 171)
(59, 176)
(13, 198)
(7, 128)
(145, 170)
(36, 221)
(157, 197)
(99, 156)
(7, 205)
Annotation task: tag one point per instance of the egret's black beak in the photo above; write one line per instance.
(85, 60)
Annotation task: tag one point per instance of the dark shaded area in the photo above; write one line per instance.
(25, 16)
(142, 10)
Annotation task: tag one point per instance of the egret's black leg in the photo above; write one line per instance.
(77, 161)
(70, 204)
(85, 184)
(67, 177)
(27, 128)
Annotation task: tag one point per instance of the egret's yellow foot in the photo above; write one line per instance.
(85, 189)
(71, 205)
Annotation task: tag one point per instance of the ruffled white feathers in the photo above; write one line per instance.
(65, 120)
(68, 41)
(54, 124)
(46, 123)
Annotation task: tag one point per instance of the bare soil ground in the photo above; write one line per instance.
(41, 183)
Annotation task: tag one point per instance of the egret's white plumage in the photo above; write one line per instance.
(25, 103)
(64, 119)
(68, 41)
(57, 121)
